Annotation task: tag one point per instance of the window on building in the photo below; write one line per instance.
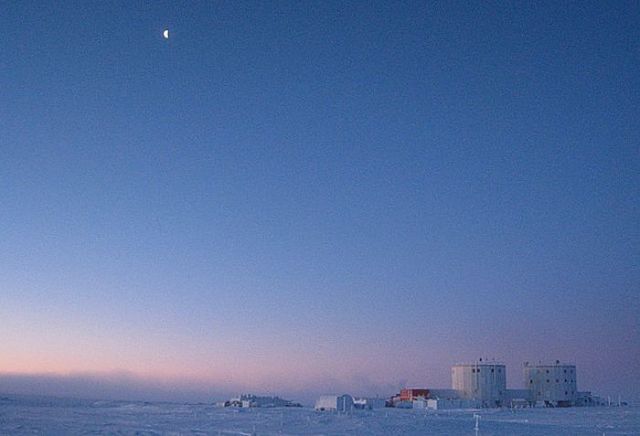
(531, 381)
(547, 380)
(557, 381)
(491, 369)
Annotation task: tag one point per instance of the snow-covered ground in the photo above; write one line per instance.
(33, 415)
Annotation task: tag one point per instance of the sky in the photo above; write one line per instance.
(310, 197)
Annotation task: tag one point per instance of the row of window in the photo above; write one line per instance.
(557, 381)
(474, 370)
(565, 371)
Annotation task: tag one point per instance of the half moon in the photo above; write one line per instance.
(166, 33)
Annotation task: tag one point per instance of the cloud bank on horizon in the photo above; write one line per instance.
(127, 386)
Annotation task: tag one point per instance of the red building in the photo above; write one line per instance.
(412, 394)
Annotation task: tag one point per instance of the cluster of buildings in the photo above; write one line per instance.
(481, 384)
(250, 400)
(484, 384)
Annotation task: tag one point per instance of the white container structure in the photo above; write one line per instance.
(485, 382)
(336, 403)
(553, 385)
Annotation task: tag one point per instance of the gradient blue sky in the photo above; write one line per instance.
(318, 196)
